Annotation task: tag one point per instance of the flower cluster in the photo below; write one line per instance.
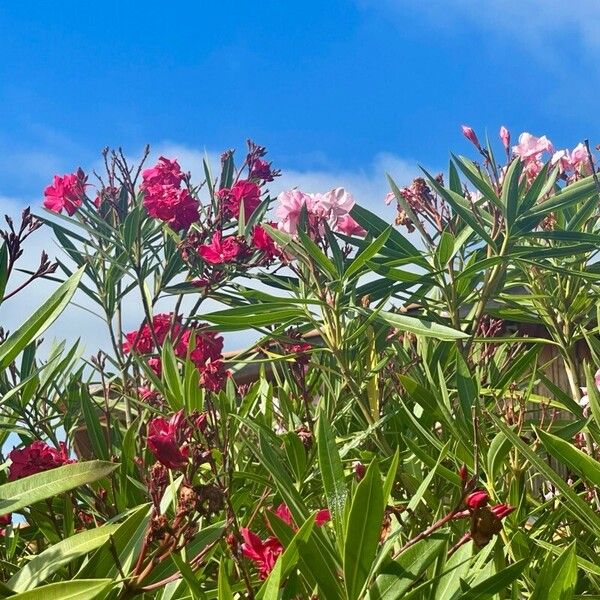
(66, 192)
(264, 553)
(332, 208)
(164, 198)
(203, 348)
(36, 458)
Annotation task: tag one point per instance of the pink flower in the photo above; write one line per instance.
(213, 375)
(142, 341)
(263, 553)
(220, 251)
(243, 191)
(389, 198)
(165, 173)
(262, 241)
(502, 510)
(336, 203)
(283, 512)
(290, 206)
(580, 160)
(477, 499)
(66, 193)
(156, 365)
(505, 137)
(323, 516)
(171, 205)
(585, 400)
(470, 135)
(349, 226)
(261, 169)
(166, 440)
(35, 458)
(531, 147)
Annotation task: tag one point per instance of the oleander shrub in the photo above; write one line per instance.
(418, 415)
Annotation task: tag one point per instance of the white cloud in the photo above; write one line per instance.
(545, 27)
(368, 186)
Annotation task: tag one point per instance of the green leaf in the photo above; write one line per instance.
(362, 532)
(585, 466)
(223, 588)
(445, 250)
(396, 578)
(332, 474)
(81, 589)
(53, 558)
(367, 254)
(41, 319)
(18, 494)
(496, 583)
(419, 326)
(558, 578)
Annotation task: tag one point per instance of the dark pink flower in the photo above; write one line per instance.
(65, 193)
(263, 553)
(171, 205)
(477, 499)
(243, 191)
(283, 512)
(36, 458)
(166, 440)
(156, 365)
(322, 517)
(220, 251)
(213, 375)
(261, 169)
(262, 241)
(502, 510)
(164, 172)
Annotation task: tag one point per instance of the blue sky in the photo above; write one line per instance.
(327, 86)
(340, 91)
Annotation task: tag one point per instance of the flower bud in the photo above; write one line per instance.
(505, 137)
(470, 135)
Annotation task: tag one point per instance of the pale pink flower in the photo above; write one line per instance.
(562, 159)
(585, 400)
(290, 206)
(333, 205)
(531, 147)
(580, 161)
(389, 198)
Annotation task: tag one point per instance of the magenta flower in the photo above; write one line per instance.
(166, 172)
(166, 440)
(263, 553)
(243, 192)
(470, 135)
(36, 458)
(220, 251)
(65, 193)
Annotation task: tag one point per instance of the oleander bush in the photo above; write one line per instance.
(419, 416)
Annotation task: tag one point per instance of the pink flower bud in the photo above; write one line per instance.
(477, 499)
(505, 137)
(470, 135)
(463, 474)
(359, 470)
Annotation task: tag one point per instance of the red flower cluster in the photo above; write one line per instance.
(485, 521)
(35, 458)
(204, 348)
(163, 197)
(242, 192)
(264, 553)
(65, 193)
(169, 440)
